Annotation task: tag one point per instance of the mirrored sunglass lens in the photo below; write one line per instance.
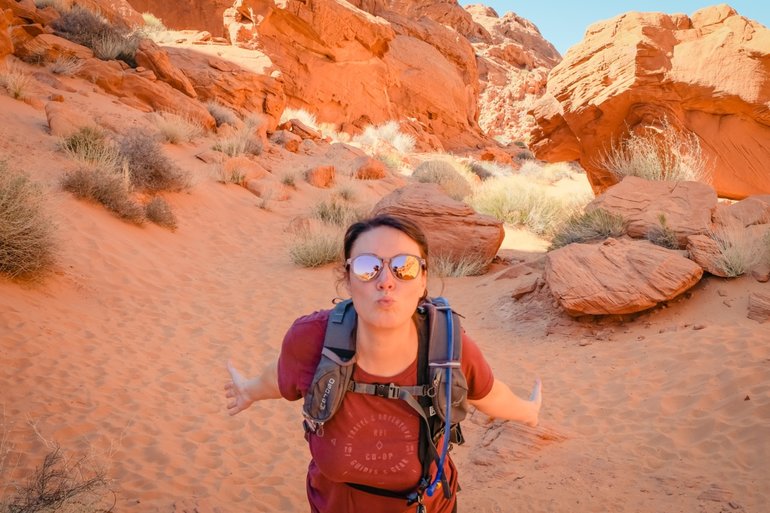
(405, 267)
(366, 267)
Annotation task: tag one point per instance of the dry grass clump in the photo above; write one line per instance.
(306, 118)
(338, 213)
(740, 251)
(448, 266)
(664, 153)
(152, 24)
(89, 29)
(222, 114)
(175, 129)
(662, 235)
(449, 174)
(315, 247)
(15, 81)
(488, 169)
(591, 226)
(107, 186)
(27, 243)
(517, 201)
(149, 168)
(242, 142)
(91, 145)
(388, 133)
(159, 212)
(66, 65)
(62, 485)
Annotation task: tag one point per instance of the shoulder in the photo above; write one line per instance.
(300, 353)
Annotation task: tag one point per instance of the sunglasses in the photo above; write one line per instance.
(367, 266)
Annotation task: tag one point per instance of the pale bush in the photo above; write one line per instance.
(312, 248)
(149, 168)
(27, 243)
(107, 41)
(174, 128)
(159, 212)
(594, 225)
(16, 82)
(390, 133)
(516, 201)
(739, 250)
(489, 169)
(241, 142)
(66, 65)
(303, 116)
(447, 266)
(109, 187)
(152, 24)
(222, 114)
(345, 192)
(446, 173)
(664, 153)
(91, 145)
(337, 212)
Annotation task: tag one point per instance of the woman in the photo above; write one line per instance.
(372, 441)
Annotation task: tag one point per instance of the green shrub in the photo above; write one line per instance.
(89, 29)
(662, 235)
(27, 243)
(664, 153)
(452, 267)
(159, 212)
(445, 174)
(149, 168)
(594, 225)
(107, 186)
(312, 248)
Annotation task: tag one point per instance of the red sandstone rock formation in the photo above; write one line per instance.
(188, 14)
(708, 74)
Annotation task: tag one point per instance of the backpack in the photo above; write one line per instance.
(431, 398)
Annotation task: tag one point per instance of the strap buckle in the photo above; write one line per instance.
(389, 391)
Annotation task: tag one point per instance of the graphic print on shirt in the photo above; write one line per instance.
(375, 446)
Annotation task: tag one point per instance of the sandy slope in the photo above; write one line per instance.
(121, 354)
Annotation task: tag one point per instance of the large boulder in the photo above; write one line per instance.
(454, 229)
(188, 14)
(685, 208)
(708, 74)
(617, 276)
(150, 56)
(6, 45)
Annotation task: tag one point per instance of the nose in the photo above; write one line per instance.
(386, 280)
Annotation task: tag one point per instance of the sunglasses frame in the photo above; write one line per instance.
(385, 264)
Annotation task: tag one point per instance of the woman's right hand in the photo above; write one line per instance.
(237, 391)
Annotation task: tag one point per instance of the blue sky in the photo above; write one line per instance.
(564, 22)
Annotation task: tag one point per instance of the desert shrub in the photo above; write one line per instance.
(662, 235)
(222, 114)
(152, 24)
(305, 117)
(27, 243)
(149, 168)
(89, 29)
(346, 192)
(739, 250)
(664, 153)
(388, 132)
(233, 175)
(174, 128)
(312, 248)
(391, 159)
(241, 142)
(451, 266)
(64, 485)
(66, 65)
(516, 201)
(15, 81)
(594, 225)
(59, 5)
(159, 212)
(91, 145)
(289, 180)
(109, 187)
(488, 169)
(446, 174)
(336, 212)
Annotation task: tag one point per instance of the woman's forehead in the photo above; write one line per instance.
(384, 241)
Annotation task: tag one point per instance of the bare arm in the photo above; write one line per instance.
(502, 403)
(244, 392)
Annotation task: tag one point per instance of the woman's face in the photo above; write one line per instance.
(385, 301)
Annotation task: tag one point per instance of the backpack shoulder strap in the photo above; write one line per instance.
(340, 336)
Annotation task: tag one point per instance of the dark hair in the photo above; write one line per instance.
(402, 224)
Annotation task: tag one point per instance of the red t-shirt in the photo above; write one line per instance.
(370, 440)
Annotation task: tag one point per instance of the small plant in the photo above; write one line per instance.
(303, 116)
(63, 485)
(389, 133)
(739, 250)
(149, 168)
(175, 129)
(662, 235)
(345, 192)
(242, 142)
(107, 41)
(90, 145)
(107, 186)
(447, 174)
(16, 82)
(337, 213)
(222, 114)
(448, 266)
(66, 65)
(27, 244)
(152, 24)
(485, 169)
(232, 175)
(391, 159)
(312, 248)
(594, 225)
(289, 180)
(159, 212)
(664, 153)
(59, 5)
